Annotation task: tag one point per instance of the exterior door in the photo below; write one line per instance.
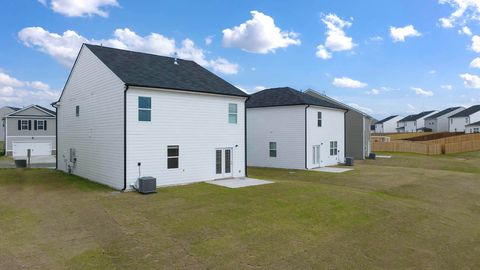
(316, 155)
(223, 163)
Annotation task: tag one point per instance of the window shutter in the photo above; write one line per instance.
(29, 124)
(19, 124)
(35, 125)
(45, 125)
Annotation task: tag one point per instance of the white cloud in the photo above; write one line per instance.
(422, 92)
(336, 40)
(373, 92)
(465, 10)
(470, 80)
(345, 82)
(360, 108)
(259, 35)
(15, 92)
(399, 34)
(475, 44)
(447, 87)
(64, 47)
(465, 31)
(376, 39)
(475, 63)
(80, 8)
(208, 40)
(432, 72)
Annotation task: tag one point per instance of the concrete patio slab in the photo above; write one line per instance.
(332, 170)
(380, 156)
(239, 182)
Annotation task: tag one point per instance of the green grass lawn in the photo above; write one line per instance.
(410, 211)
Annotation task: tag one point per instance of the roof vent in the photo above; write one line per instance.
(175, 61)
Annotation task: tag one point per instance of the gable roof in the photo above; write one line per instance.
(386, 119)
(285, 96)
(155, 71)
(41, 108)
(473, 124)
(12, 108)
(415, 117)
(441, 113)
(334, 101)
(467, 112)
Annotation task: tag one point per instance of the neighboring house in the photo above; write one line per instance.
(287, 128)
(4, 111)
(473, 127)
(387, 125)
(415, 122)
(32, 127)
(459, 120)
(439, 122)
(125, 114)
(400, 126)
(357, 128)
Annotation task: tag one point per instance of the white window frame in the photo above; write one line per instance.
(233, 113)
(333, 148)
(21, 125)
(319, 119)
(174, 157)
(144, 109)
(272, 149)
(42, 126)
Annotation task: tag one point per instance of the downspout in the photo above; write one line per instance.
(125, 138)
(245, 135)
(306, 159)
(345, 135)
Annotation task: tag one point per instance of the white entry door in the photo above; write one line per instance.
(223, 163)
(316, 155)
(37, 148)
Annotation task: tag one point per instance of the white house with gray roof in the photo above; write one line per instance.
(290, 129)
(125, 114)
(463, 118)
(32, 127)
(473, 127)
(438, 122)
(414, 122)
(387, 125)
(5, 110)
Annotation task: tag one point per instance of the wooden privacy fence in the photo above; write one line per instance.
(407, 147)
(455, 144)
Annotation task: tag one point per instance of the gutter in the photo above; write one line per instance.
(125, 138)
(306, 160)
(245, 116)
(55, 105)
(345, 135)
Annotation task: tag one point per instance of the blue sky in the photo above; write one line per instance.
(387, 57)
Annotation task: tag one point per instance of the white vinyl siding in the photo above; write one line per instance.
(98, 137)
(197, 135)
(284, 125)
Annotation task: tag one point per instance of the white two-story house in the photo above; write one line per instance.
(290, 129)
(125, 114)
(463, 118)
(387, 125)
(438, 122)
(414, 122)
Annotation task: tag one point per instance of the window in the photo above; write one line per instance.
(172, 156)
(144, 109)
(232, 113)
(451, 120)
(466, 120)
(41, 125)
(24, 124)
(77, 111)
(319, 119)
(333, 148)
(273, 149)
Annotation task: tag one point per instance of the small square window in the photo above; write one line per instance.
(173, 154)
(41, 125)
(273, 149)
(232, 113)
(144, 109)
(24, 125)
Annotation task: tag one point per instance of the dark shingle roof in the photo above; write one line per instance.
(473, 124)
(45, 109)
(13, 108)
(285, 96)
(467, 112)
(415, 117)
(148, 70)
(386, 119)
(449, 110)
